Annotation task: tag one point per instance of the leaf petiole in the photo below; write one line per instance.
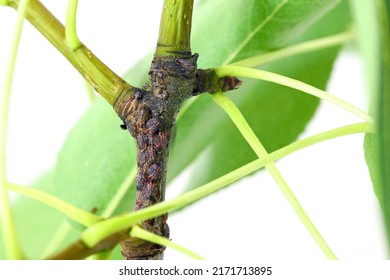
(72, 40)
(223, 71)
(83, 217)
(309, 46)
(11, 242)
(235, 115)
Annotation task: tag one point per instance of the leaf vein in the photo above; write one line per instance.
(254, 32)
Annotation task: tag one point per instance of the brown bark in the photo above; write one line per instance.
(150, 116)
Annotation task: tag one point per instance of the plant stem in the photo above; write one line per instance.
(108, 84)
(304, 47)
(150, 116)
(235, 115)
(11, 242)
(140, 233)
(94, 234)
(83, 217)
(70, 29)
(175, 28)
(292, 83)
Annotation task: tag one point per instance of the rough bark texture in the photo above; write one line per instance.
(150, 116)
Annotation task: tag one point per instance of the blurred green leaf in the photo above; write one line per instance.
(37, 223)
(116, 253)
(276, 114)
(94, 161)
(230, 30)
(374, 26)
(277, 23)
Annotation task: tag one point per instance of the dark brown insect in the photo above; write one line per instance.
(152, 125)
(123, 126)
(153, 172)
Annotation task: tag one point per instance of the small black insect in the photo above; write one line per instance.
(123, 126)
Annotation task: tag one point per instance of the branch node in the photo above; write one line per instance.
(208, 81)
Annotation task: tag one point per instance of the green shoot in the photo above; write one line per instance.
(70, 28)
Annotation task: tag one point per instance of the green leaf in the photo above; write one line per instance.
(37, 223)
(374, 26)
(96, 158)
(246, 28)
(276, 114)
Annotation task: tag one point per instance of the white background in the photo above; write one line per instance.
(249, 220)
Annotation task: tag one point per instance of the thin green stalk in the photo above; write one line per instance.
(223, 71)
(70, 28)
(11, 242)
(309, 46)
(57, 240)
(363, 127)
(235, 115)
(90, 91)
(140, 233)
(105, 81)
(123, 189)
(98, 232)
(83, 217)
(175, 28)
(104, 255)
